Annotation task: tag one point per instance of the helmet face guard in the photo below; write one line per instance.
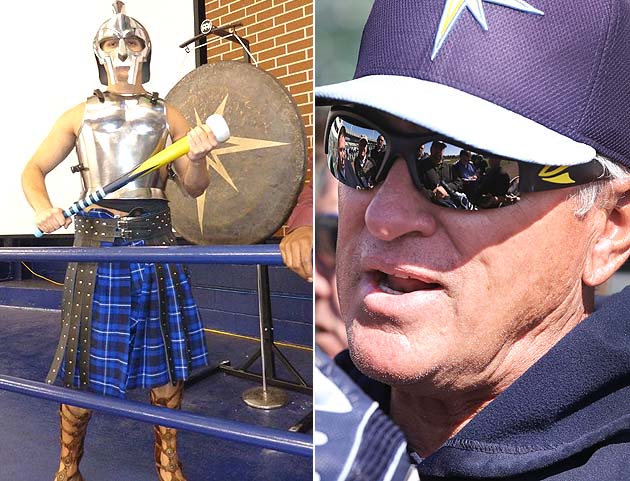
(122, 41)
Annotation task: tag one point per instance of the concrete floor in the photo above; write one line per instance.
(122, 449)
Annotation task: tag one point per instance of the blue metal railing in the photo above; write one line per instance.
(252, 254)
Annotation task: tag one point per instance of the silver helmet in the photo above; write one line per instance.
(127, 44)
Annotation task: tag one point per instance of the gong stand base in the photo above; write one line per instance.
(242, 372)
(270, 398)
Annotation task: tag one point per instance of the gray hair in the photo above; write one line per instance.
(599, 194)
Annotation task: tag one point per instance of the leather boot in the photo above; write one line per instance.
(72, 434)
(167, 463)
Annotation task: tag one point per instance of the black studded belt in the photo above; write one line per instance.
(144, 226)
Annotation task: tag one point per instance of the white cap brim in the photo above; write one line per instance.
(460, 116)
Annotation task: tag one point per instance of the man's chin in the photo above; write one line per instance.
(387, 367)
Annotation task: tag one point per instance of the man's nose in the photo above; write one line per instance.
(398, 208)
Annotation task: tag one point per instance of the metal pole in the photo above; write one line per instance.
(265, 397)
(244, 255)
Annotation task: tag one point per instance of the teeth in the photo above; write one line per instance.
(389, 290)
(400, 276)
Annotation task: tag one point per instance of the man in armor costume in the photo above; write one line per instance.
(124, 325)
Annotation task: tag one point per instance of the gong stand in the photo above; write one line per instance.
(275, 140)
(227, 32)
(262, 396)
(265, 396)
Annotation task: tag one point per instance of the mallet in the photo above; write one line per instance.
(220, 130)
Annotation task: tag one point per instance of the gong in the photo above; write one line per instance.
(257, 174)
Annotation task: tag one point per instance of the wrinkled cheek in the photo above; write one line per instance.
(349, 243)
(347, 281)
(537, 276)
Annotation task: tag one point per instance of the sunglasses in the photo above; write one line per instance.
(448, 173)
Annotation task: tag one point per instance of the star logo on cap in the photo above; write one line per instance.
(454, 8)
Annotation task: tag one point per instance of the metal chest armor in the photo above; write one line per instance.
(120, 131)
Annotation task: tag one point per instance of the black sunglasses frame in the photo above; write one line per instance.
(532, 177)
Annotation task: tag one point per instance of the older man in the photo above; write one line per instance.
(477, 331)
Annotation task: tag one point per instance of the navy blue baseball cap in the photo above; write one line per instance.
(542, 81)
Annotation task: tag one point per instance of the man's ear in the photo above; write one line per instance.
(612, 248)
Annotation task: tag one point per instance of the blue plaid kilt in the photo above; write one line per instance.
(127, 349)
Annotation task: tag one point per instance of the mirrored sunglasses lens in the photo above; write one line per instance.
(454, 177)
(355, 153)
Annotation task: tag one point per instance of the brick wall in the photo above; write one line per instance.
(280, 33)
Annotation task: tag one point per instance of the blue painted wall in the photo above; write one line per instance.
(226, 296)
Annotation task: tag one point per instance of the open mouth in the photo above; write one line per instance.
(398, 284)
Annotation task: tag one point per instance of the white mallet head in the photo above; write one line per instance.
(219, 127)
